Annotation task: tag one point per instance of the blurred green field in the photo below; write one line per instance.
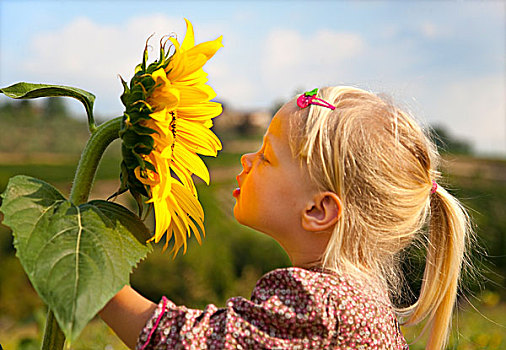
(229, 262)
(477, 326)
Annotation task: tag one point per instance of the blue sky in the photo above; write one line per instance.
(442, 60)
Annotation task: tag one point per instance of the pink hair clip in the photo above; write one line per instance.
(434, 187)
(309, 98)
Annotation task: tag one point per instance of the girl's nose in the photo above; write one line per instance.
(246, 161)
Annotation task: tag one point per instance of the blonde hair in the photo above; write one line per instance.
(380, 163)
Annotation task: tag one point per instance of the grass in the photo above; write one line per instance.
(54, 172)
(224, 159)
(95, 336)
(58, 172)
(481, 327)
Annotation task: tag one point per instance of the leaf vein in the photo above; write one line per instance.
(30, 235)
(78, 243)
(41, 250)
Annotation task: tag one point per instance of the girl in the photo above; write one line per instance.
(345, 182)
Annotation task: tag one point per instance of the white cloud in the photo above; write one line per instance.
(291, 58)
(90, 55)
(475, 109)
(429, 30)
(288, 49)
(389, 30)
(471, 106)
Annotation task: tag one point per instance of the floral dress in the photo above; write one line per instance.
(290, 308)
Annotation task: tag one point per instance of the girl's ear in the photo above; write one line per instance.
(322, 213)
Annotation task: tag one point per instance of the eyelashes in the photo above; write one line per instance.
(261, 157)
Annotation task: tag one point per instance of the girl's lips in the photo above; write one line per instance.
(237, 191)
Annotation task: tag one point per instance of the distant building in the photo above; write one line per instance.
(245, 123)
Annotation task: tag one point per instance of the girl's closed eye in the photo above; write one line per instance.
(260, 156)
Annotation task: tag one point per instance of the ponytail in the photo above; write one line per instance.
(449, 233)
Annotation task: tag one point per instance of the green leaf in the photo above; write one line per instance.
(31, 90)
(77, 257)
(125, 217)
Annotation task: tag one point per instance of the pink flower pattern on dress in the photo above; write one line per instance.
(291, 308)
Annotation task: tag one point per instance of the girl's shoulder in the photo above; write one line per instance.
(324, 282)
(359, 310)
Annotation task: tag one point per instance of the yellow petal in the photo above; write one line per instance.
(178, 226)
(160, 77)
(184, 177)
(162, 219)
(166, 96)
(163, 169)
(208, 124)
(191, 95)
(188, 202)
(190, 161)
(208, 48)
(161, 115)
(201, 111)
(147, 177)
(195, 78)
(205, 141)
(189, 38)
(162, 127)
(188, 67)
(195, 231)
(190, 205)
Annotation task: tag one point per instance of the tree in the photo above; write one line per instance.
(447, 143)
(55, 108)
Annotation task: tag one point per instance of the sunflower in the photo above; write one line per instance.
(166, 125)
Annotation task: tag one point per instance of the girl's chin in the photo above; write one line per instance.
(237, 215)
(240, 216)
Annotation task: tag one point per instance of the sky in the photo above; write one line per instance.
(444, 61)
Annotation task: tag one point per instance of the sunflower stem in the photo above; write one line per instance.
(102, 136)
(90, 158)
(92, 126)
(53, 335)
